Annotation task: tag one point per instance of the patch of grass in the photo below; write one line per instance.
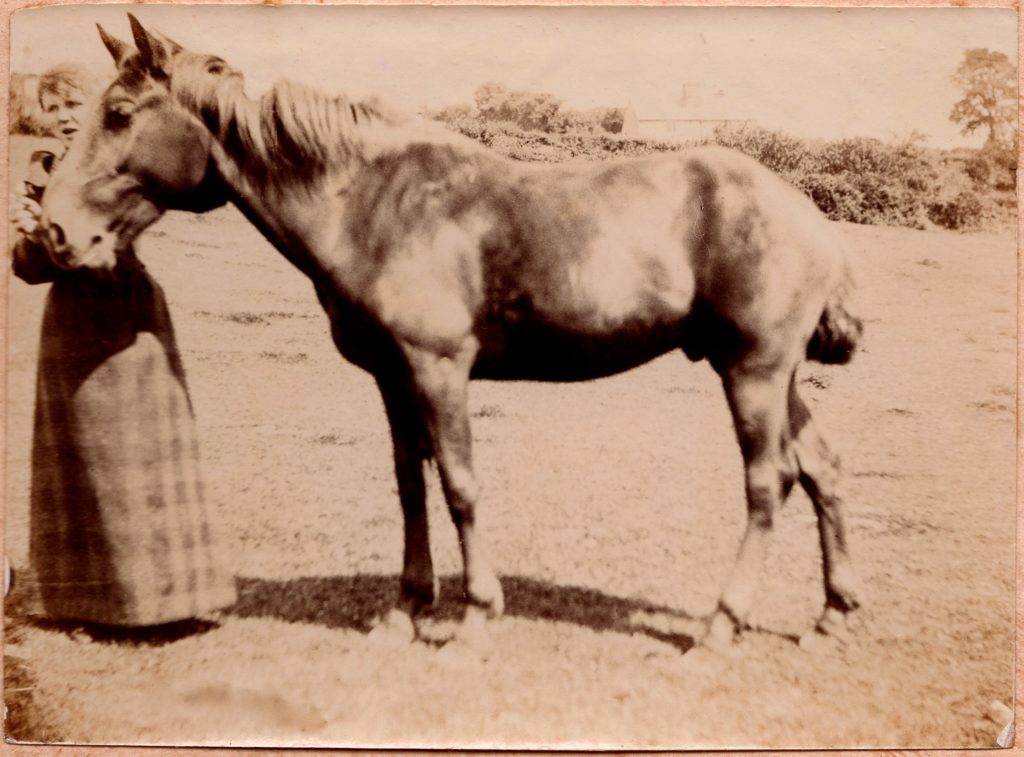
(336, 440)
(683, 390)
(879, 474)
(248, 318)
(818, 382)
(24, 720)
(243, 317)
(997, 407)
(283, 357)
(488, 411)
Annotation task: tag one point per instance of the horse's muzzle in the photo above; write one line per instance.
(97, 252)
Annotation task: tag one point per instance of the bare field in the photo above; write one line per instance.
(614, 509)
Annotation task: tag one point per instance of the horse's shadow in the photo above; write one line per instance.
(355, 602)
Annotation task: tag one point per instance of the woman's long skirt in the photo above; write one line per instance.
(120, 532)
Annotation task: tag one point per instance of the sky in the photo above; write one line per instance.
(813, 72)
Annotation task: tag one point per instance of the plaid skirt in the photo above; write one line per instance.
(119, 530)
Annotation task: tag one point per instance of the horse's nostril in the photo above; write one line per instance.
(95, 240)
(57, 233)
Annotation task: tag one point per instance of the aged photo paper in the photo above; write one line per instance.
(511, 377)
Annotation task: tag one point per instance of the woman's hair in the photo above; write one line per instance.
(68, 78)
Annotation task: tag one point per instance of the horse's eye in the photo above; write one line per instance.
(118, 116)
(215, 67)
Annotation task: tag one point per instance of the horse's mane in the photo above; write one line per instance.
(292, 134)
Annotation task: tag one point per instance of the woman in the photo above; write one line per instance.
(119, 532)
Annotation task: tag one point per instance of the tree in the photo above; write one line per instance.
(989, 83)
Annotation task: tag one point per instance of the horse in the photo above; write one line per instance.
(438, 261)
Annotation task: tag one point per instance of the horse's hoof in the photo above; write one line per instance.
(471, 642)
(721, 634)
(488, 595)
(835, 629)
(816, 643)
(703, 660)
(395, 628)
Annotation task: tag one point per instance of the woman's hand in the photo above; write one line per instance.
(25, 214)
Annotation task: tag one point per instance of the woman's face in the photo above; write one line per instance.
(64, 109)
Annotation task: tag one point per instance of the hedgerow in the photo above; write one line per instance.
(864, 181)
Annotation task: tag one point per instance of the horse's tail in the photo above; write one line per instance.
(838, 331)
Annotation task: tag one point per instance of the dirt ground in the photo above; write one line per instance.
(614, 509)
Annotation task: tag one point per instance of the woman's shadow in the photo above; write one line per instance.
(354, 602)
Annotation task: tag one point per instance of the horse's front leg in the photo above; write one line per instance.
(757, 399)
(411, 442)
(442, 383)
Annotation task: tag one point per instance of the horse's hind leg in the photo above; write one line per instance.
(820, 478)
(411, 442)
(442, 383)
(757, 398)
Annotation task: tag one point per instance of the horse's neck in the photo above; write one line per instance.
(275, 213)
(300, 216)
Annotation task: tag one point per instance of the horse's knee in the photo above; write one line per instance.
(815, 460)
(821, 477)
(789, 472)
(764, 492)
(461, 492)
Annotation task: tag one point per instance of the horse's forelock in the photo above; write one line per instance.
(190, 84)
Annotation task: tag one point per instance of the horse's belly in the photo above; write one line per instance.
(539, 352)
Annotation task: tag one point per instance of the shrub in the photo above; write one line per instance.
(495, 104)
(780, 152)
(964, 211)
(978, 169)
(1003, 161)
(837, 198)
(529, 110)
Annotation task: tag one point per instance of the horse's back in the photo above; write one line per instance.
(579, 270)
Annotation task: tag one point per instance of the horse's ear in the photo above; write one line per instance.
(155, 49)
(118, 50)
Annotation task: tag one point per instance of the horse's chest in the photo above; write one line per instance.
(356, 333)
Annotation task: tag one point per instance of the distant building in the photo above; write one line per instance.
(692, 117)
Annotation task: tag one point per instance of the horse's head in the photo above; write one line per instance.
(139, 153)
